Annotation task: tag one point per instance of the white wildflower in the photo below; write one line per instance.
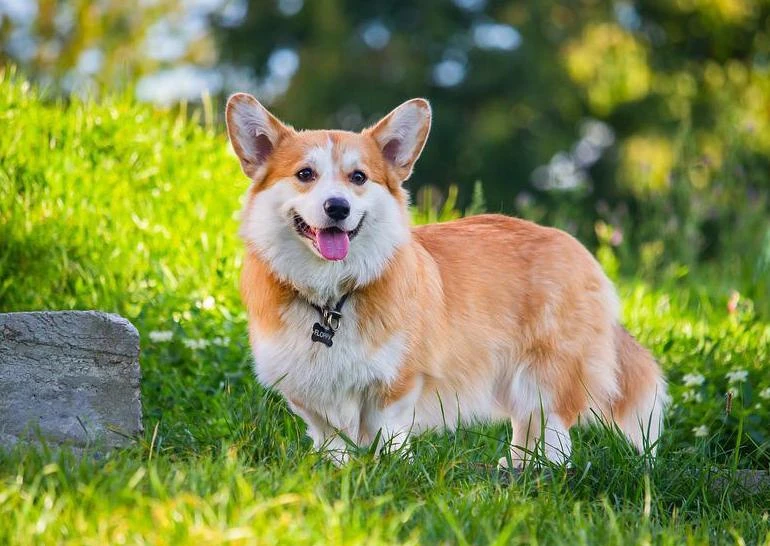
(765, 393)
(221, 341)
(737, 376)
(208, 303)
(692, 396)
(701, 431)
(161, 336)
(693, 380)
(196, 343)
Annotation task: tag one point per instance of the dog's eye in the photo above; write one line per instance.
(306, 175)
(357, 177)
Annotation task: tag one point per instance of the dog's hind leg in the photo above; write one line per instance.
(528, 441)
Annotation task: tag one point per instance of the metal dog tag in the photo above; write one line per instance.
(322, 334)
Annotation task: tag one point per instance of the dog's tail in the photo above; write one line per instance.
(638, 410)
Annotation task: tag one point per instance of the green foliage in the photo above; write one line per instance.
(120, 207)
(113, 204)
(650, 116)
(83, 47)
(682, 86)
(478, 203)
(429, 207)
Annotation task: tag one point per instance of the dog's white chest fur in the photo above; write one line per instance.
(323, 378)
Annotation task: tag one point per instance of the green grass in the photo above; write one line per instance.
(119, 207)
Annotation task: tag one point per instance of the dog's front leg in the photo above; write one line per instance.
(394, 417)
(332, 432)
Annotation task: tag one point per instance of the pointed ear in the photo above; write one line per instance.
(401, 135)
(254, 132)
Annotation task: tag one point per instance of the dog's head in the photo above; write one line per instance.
(326, 206)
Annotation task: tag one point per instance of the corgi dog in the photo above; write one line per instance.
(374, 330)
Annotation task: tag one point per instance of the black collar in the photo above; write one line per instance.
(332, 315)
(324, 331)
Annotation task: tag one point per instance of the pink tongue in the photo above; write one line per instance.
(333, 243)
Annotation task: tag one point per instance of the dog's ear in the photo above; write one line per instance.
(254, 132)
(401, 135)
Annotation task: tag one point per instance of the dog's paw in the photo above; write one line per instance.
(338, 457)
(505, 464)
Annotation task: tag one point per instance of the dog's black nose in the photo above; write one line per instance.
(337, 208)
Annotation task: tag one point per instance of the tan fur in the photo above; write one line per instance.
(479, 299)
(546, 286)
(263, 294)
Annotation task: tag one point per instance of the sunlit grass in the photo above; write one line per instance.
(118, 207)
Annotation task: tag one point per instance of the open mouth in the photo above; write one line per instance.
(332, 243)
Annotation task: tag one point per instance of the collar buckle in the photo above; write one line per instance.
(332, 318)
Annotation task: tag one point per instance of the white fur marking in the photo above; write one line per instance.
(322, 160)
(268, 229)
(350, 160)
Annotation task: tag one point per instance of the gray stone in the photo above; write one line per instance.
(70, 377)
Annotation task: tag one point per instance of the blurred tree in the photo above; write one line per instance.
(84, 46)
(484, 76)
(648, 114)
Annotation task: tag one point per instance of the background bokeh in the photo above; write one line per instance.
(644, 125)
(653, 116)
